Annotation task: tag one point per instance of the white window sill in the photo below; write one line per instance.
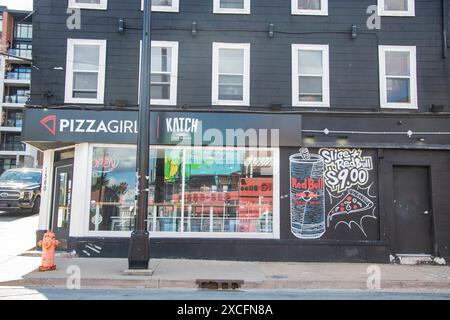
(235, 11)
(399, 106)
(309, 13)
(85, 101)
(231, 103)
(396, 14)
(154, 102)
(88, 7)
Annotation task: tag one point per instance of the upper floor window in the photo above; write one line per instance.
(23, 31)
(163, 5)
(310, 75)
(164, 73)
(232, 6)
(85, 71)
(398, 78)
(310, 7)
(231, 74)
(405, 8)
(89, 4)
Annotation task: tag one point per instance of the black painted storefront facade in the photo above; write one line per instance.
(369, 229)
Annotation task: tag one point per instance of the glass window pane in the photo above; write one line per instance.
(232, 4)
(310, 89)
(397, 63)
(231, 61)
(309, 4)
(161, 59)
(228, 191)
(231, 87)
(396, 5)
(160, 91)
(165, 190)
(225, 190)
(85, 81)
(86, 58)
(398, 90)
(84, 95)
(112, 204)
(310, 62)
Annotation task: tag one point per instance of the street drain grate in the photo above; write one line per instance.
(209, 284)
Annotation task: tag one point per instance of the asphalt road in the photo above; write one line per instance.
(20, 293)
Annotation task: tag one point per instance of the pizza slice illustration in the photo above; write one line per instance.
(353, 202)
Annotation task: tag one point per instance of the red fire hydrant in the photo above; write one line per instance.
(48, 244)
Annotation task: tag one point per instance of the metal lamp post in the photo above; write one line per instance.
(139, 250)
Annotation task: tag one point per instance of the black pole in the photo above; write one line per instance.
(139, 251)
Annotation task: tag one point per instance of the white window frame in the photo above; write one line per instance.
(71, 43)
(174, 8)
(172, 101)
(215, 74)
(413, 104)
(322, 12)
(411, 12)
(325, 75)
(103, 5)
(84, 222)
(245, 10)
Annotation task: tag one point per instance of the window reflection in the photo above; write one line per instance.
(193, 190)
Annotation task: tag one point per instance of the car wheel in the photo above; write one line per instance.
(36, 206)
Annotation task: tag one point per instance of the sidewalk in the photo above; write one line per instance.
(108, 273)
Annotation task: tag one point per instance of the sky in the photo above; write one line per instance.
(17, 4)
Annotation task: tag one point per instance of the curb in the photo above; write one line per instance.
(146, 283)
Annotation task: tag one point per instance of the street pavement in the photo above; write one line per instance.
(17, 235)
(101, 278)
(21, 293)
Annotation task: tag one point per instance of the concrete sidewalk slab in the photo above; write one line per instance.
(108, 273)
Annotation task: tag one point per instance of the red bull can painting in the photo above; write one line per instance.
(307, 195)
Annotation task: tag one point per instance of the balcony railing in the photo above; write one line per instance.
(11, 123)
(16, 99)
(12, 147)
(18, 76)
(23, 53)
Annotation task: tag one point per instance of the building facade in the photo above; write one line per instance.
(15, 82)
(289, 130)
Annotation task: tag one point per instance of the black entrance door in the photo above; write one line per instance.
(62, 199)
(413, 216)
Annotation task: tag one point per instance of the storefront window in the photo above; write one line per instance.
(192, 190)
(113, 189)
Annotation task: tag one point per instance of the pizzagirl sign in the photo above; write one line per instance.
(48, 129)
(54, 125)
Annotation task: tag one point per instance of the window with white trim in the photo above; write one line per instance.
(398, 8)
(398, 77)
(310, 75)
(231, 74)
(89, 4)
(309, 7)
(85, 71)
(163, 5)
(232, 6)
(164, 78)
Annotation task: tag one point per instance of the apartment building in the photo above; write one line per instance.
(15, 81)
(281, 130)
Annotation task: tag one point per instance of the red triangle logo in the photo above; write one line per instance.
(49, 123)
